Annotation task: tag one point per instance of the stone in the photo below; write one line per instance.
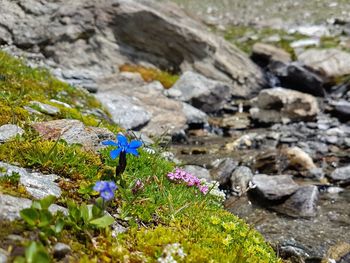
(107, 34)
(37, 185)
(331, 63)
(263, 54)
(125, 111)
(60, 250)
(238, 121)
(342, 109)
(303, 203)
(44, 108)
(74, 131)
(222, 170)
(296, 77)
(10, 207)
(274, 187)
(338, 253)
(284, 105)
(198, 171)
(298, 159)
(341, 175)
(240, 179)
(203, 93)
(168, 117)
(118, 229)
(3, 256)
(194, 116)
(61, 103)
(306, 42)
(8, 131)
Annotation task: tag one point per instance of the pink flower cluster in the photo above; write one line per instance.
(190, 180)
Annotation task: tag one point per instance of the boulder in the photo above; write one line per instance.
(74, 131)
(240, 179)
(203, 93)
(194, 116)
(303, 203)
(274, 187)
(341, 175)
(222, 170)
(107, 34)
(331, 63)
(263, 54)
(284, 105)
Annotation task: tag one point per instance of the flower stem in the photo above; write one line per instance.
(121, 165)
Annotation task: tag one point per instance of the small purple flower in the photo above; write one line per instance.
(123, 145)
(138, 186)
(204, 189)
(106, 189)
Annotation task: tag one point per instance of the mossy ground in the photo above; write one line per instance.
(160, 213)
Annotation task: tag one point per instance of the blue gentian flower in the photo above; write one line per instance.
(123, 146)
(106, 189)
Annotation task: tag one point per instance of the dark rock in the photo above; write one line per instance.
(240, 179)
(60, 250)
(274, 187)
(294, 76)
(302, 203)
(74, 131)
(222, 170)
(341, 175)
(283, 105)
(201, 92)
(8, 131)
(342, 110)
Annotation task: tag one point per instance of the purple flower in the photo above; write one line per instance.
(204, 189)
(188, 178)
(138, 186)
(106, 189)
(123, 145)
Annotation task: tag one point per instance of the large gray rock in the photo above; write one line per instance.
(37, 185)
(198, 171)
(10, 207)
(302, 203)
(74, 131)
(194, 116)
(240, 179)
(201, 92)
(284, 105)
(107, 34)
(168, 115)
(223, 169)
(274, 187)
(9, 131)
(329, 62)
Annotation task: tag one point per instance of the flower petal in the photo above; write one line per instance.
(107, 195)
(135, 144)
(115, 153)
(122, 140)
(99, 186)
(111, 186)
(111, 143)
(132, 151)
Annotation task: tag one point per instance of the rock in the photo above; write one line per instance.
(297, 158)
(240, 179)
(107, 34)
(263, 54)
(60, 250)
(9, 131)
(203, 93)
(302, 203)
(341, 175)
(37, 185)
(307, 42)
(194, 116)
(10, 207)
(44, 108)
(74, 131)
(310, 30)
(61, 103)
(238, 121)
(117, 229)
(31, 110)
(125, 111)
(168, 117)
(341, 110)
(296, 77)
(198, 171)
(274, 187)
(331, 63)
(339, 253)
(3, 256)
(283, 105)
(222, 170)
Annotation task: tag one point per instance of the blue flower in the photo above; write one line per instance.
(106, 189)
(123, 146)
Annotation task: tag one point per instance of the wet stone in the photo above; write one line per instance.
(274, 187)
(302, 203)
(9, 131)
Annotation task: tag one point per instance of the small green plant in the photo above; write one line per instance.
(34, 253)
